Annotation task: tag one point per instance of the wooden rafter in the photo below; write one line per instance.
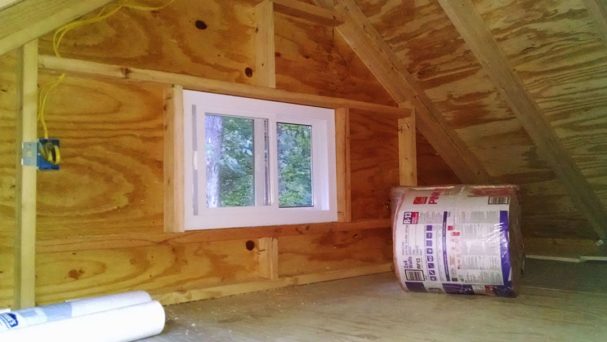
(597, 9)
(30, 19)
(479, 39)
(402, 86)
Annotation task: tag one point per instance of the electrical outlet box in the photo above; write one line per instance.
(48, 144)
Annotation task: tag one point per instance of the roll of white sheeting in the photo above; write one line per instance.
(461, 239)
(73, 308)
(121, 324)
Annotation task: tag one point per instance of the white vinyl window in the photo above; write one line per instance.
(252, 162)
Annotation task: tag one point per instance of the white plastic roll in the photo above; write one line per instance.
(461, 239)
(74, 308)
(122, 324)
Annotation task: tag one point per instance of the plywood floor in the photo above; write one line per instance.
(560, 302)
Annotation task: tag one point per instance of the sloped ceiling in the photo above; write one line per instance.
(557, 50)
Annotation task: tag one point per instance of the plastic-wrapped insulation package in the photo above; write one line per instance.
(460, 239)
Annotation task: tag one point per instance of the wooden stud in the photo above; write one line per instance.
(477, 35)
(407, 151)
(212, 86)
(30, 19)
(265, 65)
(302, 10)
(597, 9)
(267, 248)
(173, 161)
(342, 160)
(25, 244)
(402, 86)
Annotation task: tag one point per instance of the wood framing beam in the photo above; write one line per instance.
(479, 39)
(25, 244)
(597, 9)
(299, 9)
(342, 160)
(402, 86)
(265, 62)
(173, 163)
(213, 86)
(407, 151)
(30, 19)
(267, 254)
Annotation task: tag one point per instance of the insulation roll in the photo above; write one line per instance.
(461, 239)
(74, 308)
(121, 324)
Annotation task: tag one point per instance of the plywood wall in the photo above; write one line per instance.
(547, 40)
(100, 217)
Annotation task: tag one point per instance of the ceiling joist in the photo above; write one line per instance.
(402, 86)
(29, 19)
(480, 40)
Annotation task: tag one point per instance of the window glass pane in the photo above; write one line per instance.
(230, 161)
(294, 165)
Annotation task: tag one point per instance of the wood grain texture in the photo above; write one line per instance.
(374, 164)
(558, 52)
(8, 155)
(312, 58)
(332, 251)
(479, 38)
(29, 19)
(159, 269)
(111, 178)
(431, 49)
(209, 38)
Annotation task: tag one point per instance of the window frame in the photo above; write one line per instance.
(324, 164)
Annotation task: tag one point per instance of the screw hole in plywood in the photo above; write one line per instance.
(250, 245)
(201, 25)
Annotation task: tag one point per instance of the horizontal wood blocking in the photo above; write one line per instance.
(213, 86)
(91, 242)
(262, 285)
(300, 9)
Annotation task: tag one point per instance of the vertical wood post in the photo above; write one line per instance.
(173, 160)
(25, 244)
(342, 160)
(265, 65)
(407, 151)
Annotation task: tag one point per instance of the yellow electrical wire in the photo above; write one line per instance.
(51, 152)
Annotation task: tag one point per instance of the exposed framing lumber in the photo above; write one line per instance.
(342, 160)
(402, 86)
(204, 84)
(265, 62)
(25, 244)
(479, 39)
(267, 249)
(173, 163)
(234, 289)
(299, 9)
(29, 19)
(131, 240)
(407, 151)
(597, 9)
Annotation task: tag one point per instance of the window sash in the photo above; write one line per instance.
(324, 209)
